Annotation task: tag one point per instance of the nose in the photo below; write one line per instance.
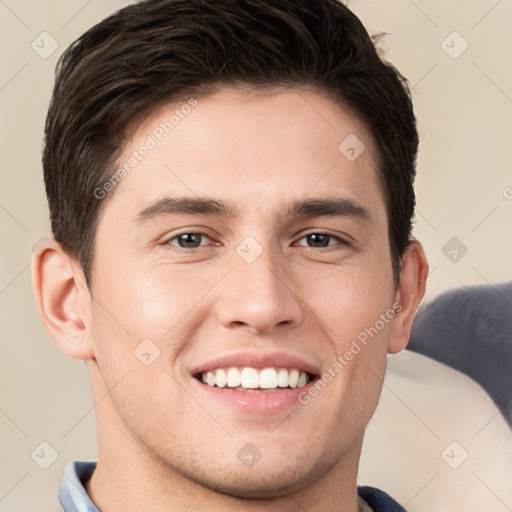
(259, 295)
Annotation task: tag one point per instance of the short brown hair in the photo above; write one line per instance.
(157, 51)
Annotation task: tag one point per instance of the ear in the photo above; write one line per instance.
(62, 297)
(410, 292)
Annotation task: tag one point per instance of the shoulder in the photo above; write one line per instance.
(378, 500)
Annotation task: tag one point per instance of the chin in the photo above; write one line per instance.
(254, 487)
(260, 482)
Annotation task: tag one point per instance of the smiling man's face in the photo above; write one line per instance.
(283, 270)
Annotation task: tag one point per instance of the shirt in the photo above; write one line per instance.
(73, 496)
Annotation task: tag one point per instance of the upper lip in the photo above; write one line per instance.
(258, 360)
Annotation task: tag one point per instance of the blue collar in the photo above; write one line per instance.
(72, 494)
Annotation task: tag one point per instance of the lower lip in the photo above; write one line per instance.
(253, 401)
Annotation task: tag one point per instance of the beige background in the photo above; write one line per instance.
(464, 190)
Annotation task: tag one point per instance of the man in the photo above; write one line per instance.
(230, 192)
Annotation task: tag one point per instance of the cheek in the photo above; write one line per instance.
(143, 324)
(349, 298)
(150, 302)
(139, 329)
(355, 310)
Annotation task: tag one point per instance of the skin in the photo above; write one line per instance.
(162, 444)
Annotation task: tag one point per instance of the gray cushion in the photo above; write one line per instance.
(470, 329)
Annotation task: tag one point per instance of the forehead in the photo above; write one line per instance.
(257, 148)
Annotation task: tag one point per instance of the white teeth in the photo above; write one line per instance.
(282, 378)
(210, 379)
(268, 378)
(294, 378)
(220, 378)
(233, 378)
(251, 378)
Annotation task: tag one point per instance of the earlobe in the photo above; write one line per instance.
(411, 290)
(62, 299)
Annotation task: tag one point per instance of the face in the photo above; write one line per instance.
(246, 237)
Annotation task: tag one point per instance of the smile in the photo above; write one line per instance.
(252, 379)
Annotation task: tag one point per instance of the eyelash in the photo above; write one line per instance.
(340, 240)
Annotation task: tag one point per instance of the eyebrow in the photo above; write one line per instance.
(186, 205)
(309, 208)
(330, 207)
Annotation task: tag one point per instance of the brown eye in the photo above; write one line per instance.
(318, 240)
(188, 240)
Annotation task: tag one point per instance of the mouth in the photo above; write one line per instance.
(254, 380)
(253, 391)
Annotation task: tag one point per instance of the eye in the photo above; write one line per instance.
(322, 240)
(188, 240)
